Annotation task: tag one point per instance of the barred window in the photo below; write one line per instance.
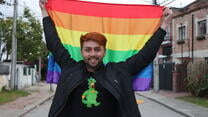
(206, 59)
(29, 71)
(202, 29)
(24, 71)
(181, 32)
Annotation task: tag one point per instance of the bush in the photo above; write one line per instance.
(197, 78)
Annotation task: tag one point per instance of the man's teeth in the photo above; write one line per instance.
(93, 60)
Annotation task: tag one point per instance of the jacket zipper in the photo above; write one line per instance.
(56, 115)
(112, 92)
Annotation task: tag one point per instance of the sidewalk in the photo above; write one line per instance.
(39, 93)
(168, 100)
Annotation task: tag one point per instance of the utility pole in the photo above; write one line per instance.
(192, 39)
(156, 81)
(39, 69)
(14, 50)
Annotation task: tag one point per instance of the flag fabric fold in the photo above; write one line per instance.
(127, 28)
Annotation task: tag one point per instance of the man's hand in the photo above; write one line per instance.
(166, 18)
(42, 7)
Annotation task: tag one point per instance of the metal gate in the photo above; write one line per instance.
(165, 76)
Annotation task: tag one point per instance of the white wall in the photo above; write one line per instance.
(23, 79)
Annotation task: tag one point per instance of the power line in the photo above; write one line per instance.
(34, 10)
(168, 2)
(23, 16)
(147, 1)
(20, 5)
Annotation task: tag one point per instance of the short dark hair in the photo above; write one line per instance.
(94, 36)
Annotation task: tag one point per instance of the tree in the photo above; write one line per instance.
(5, 36)
(30, 45)
(2, 1)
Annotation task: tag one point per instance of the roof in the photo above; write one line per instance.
(194, 6)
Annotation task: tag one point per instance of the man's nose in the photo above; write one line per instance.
(92, 53)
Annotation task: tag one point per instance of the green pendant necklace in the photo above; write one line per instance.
(89, 97)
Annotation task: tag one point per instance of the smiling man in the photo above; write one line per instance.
(93, 49)
(88, 88)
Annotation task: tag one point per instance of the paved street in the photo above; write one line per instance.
(153, 109)
(40, 111)
(148, 109)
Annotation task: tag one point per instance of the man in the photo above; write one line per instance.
(88, 88)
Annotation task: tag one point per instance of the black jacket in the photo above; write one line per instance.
(115, 77)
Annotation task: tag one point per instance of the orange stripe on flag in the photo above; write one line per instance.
(105, 25)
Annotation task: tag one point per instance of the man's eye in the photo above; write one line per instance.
(87, 49)
(97, 49)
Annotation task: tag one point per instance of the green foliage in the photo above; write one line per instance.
(6, 96)
(6, 34)
(195, 100)
(197, 78)
(30, 45)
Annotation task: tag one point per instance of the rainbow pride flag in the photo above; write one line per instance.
(127, 28)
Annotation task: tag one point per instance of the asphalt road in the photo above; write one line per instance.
(148, 109)
(152, 109)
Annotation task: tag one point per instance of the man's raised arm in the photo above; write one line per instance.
(147, 54)
(53, 42)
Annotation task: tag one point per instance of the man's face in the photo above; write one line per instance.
(92, 53)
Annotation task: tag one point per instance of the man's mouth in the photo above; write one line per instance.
(93, 60)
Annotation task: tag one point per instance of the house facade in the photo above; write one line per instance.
(186, 40)
(189, 32)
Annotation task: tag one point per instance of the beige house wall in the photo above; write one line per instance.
(200, 46)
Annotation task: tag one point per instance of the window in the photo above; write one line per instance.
(29, 71)
(24, 71)
(181, 32)
(202, 29)
(206, 59)
(167, 36)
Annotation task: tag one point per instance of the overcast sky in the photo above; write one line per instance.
(176, 3)
(33, 5)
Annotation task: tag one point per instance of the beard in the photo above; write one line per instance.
(93, 63)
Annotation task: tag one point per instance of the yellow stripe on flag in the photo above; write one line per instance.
(115, 42)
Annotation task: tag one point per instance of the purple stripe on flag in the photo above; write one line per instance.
(52, 77)
(141, 84)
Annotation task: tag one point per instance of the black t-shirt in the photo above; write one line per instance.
(75, 108)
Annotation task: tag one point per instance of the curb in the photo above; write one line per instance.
(33, 106)
(167, 106)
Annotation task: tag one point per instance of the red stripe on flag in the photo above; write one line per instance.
(105, 9)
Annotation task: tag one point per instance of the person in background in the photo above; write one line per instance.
(88, 88)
